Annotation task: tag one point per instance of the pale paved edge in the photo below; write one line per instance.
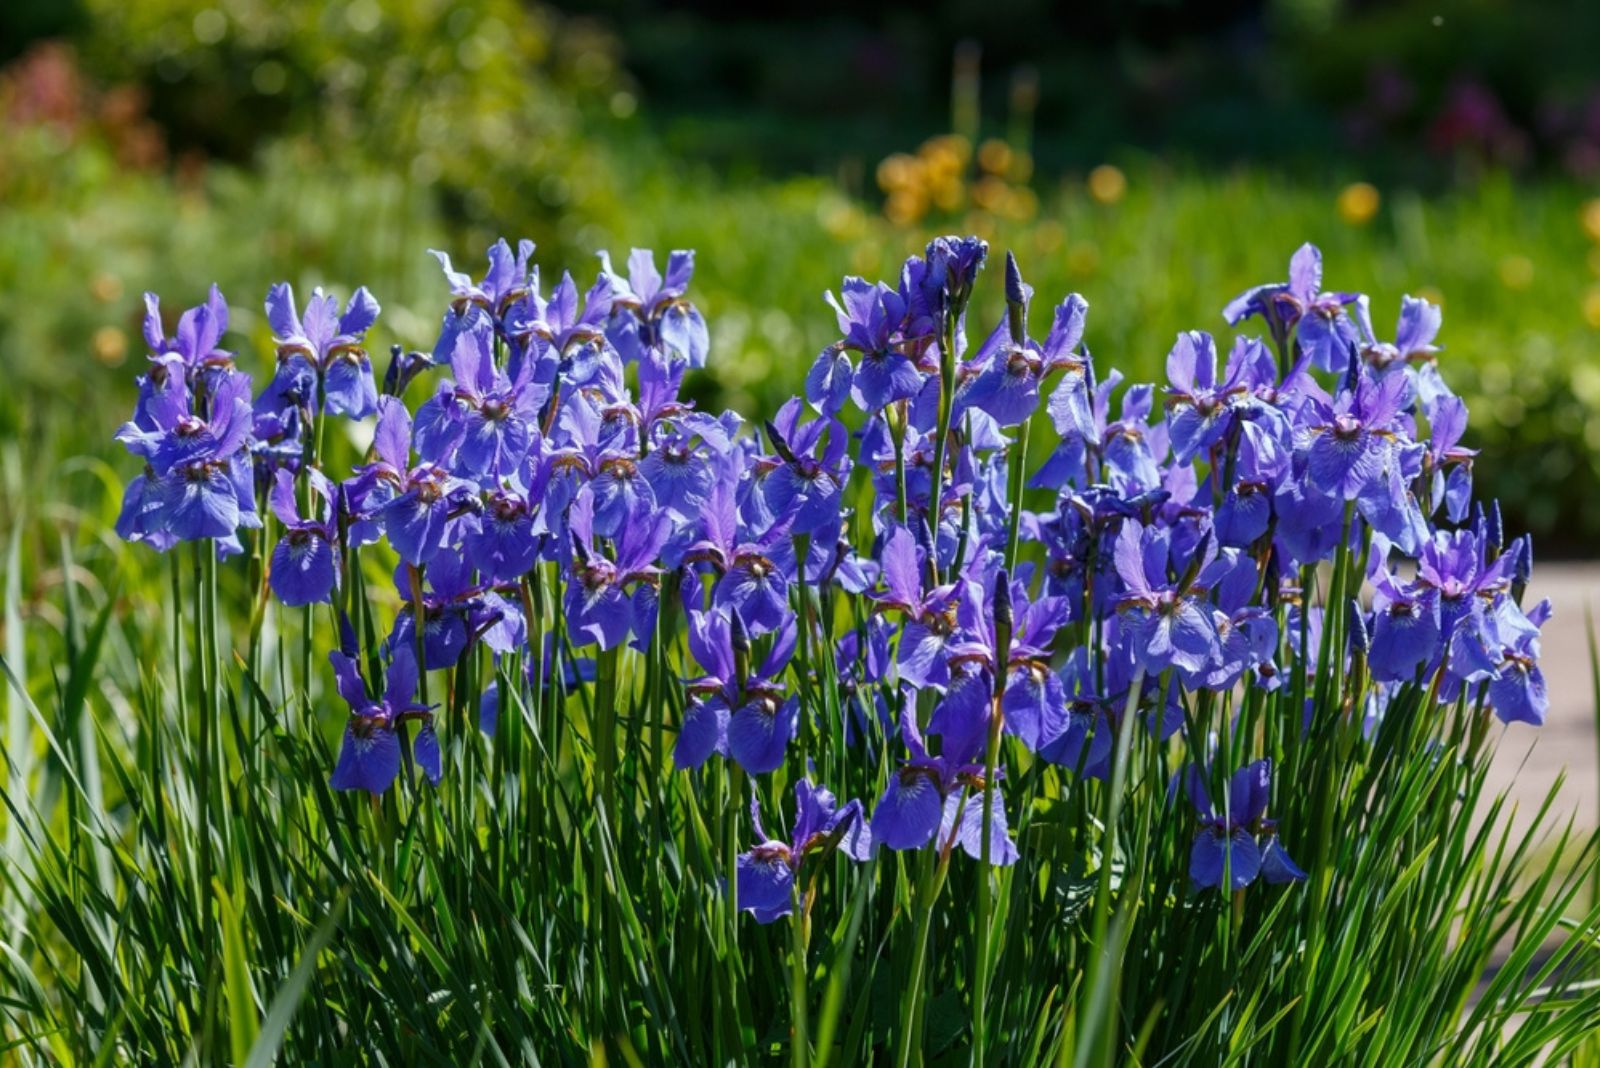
(1528, 759)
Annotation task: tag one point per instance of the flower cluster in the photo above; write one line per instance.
(872, 536)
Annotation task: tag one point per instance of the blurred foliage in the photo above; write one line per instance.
(484, 104)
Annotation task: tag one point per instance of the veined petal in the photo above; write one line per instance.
(908, 813)
(370, 762)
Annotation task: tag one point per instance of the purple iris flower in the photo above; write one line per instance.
(951, 268)
(507, 539)
(482, 424)
(1007, 386)
(806, 479)
(1034, 704)
(325, 344)
(1448, 464)
(751, 572)
(1353, 438)
(305, 563)
(369, 758)
(199, 479)
(1201, 409)
(422, 509)
(1122, 452)
(1406, 632)
(943, 795)
(930, 618)
(733, 710)
(607, 599)
(768, 873)
(1500, 645)
(1168, 621)
(680, 465)
(193, 348)
(871, 317)
(1325, 332)
(1412, 351)
(478, 307)
(1247, 633)
(566, 337)
(1361, 449)
(428, 508)
(456, 612)
(1454, 565)
(651, 320)
(1237, 843)
(1090, 727)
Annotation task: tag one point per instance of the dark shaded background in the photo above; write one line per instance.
(1419, 90)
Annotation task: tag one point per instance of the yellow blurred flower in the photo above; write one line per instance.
(1591, 219)
(1432, 294)
(955, 144)
(1591, 307)
(1516, 272)
(1358, 203)
(1107, 184)
(946, 154)
(948, 194)
(105, 288)
(898, 172)
(904, 207)
(990, 193)
(1022, 203)
(994, 156)
(110, 346)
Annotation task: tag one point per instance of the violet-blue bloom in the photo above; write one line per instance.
(370, 754)
(1227, 846)
(305, 562)
(768, 873)
(1323, 331)
(328, 343)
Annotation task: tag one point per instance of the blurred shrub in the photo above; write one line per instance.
(486, 104)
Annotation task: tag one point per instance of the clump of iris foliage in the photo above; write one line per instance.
(550, 718)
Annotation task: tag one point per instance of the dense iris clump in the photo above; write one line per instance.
(889, 569)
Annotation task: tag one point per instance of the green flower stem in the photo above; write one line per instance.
(1102, 968)
(947, 389)
(800, 937)
(929, 886)
(1017, 478)
(980, 996)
